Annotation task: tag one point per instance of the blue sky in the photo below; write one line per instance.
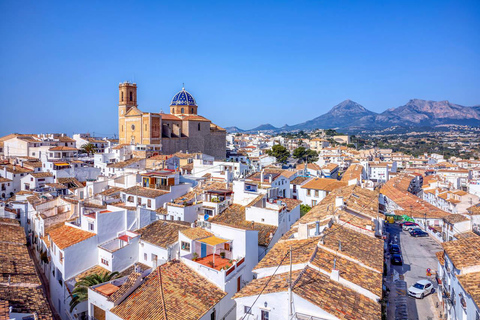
(246, 63)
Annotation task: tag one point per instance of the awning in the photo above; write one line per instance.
(61, 164)
(213, 241)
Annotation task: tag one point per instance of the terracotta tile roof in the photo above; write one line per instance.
(289, 173)
(96, 269)
(467, 234)
(126, 286)
(291, 203)
(41, 174)
(110, 191)
(349, 270)
(353, 172)
(463, 252)
(16, 169)
(26, 300)
(171, 117)
(195, 118)
(186, 295)
(70, 182)
(471, 283)
(311, 166)
(145, 192)
(67, 236)
(455, 218)
(361, 247)
(58, 186)
(235, 216)
(196, 233)
(320, 290)
(12, 233)
(474, 210)
(440, 257)
(124, 164)
(299, 180)
(2, 179)
(302, 252)
(62, 148)
(120, 146)
(324, 184)
(162, 233)
(411, 204)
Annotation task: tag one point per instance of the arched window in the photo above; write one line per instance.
(122, 95)
(131, 96)
(122, 127)
(182, 111)
(199, 127)
(172, 111)
(191, 111)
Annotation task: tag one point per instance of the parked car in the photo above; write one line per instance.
(413, 226)
(414, 230)
(406, 223)
(396, 259)
(394, 248)
(421, 289)
(418, 233)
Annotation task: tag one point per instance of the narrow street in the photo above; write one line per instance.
(44, 281)
(418, 254)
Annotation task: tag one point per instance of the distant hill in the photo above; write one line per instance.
(344, 114)
(350, 116)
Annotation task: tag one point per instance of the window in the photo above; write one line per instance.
(182, 111)
(154, 257)
(145, 127)
(247, 309)
(122, 95)
(91, 226)
(316, 193)
(149, 203)
(213, 316)
(308, 192)
(131, 96)
(227, 247)
(105, 262)
(199, 127)
(191, 110)
(145, 256)
(314, 203)
(185, 246)
(265, 315)
(130, 199)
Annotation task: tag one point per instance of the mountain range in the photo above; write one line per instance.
(351, 116)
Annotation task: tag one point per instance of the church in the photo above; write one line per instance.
(180, 130)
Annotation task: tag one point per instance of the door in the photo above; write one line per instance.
(203, 252)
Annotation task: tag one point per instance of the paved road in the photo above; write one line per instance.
(418, 255)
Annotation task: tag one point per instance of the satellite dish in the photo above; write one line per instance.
(205, 217)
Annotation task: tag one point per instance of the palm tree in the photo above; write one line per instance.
(88, 148)
(80, 292)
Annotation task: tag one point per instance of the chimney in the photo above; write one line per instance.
(339, 202)
(302, 231)
(335, 275)
(262, 176)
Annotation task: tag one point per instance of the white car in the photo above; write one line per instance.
(421, 289)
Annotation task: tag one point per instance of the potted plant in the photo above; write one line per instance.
(195, 256)
(222, 254)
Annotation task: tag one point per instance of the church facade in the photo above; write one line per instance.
(180, 130)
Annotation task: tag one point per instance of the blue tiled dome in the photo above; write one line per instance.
(183, 98)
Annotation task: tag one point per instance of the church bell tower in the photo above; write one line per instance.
(127, 99)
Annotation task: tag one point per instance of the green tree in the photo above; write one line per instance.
(304, 208)
(299, 153)
(88, 148)
(80, 291)
(311, 155)
(279, 152)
